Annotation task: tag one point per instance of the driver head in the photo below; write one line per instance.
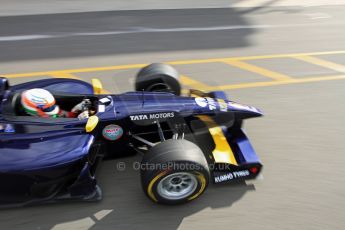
(39, 102)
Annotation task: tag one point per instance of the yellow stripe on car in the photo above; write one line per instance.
(222, 152)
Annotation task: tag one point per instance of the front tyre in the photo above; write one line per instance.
(174, 172)
(158, 77)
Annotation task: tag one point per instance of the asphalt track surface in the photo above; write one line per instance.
(288, 61)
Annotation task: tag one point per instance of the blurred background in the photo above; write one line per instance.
(286, 57)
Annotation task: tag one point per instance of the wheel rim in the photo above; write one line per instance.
(159, 87)
(177, 186)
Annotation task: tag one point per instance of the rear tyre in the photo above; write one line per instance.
(174, 172)
(158, 77)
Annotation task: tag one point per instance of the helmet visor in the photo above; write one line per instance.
(49, 109)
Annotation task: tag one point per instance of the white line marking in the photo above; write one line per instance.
(24, 37)
(138, 30)
(305, 3)
(103, 213)
(314, 16)
(83, 223)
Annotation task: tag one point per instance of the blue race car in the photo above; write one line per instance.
(186, 141)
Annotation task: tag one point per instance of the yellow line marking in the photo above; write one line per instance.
(185, 92)
(106, 68)
(272, 83)
(104, 91)
(323, 63)
(185, 62)
(246, 58)
(63, 75)
(193, 83)
(222, 152)
(82, 70)
(287, 55)
(34, 74)
(197, 61)
(259, 70)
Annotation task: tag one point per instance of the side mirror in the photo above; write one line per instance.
(91, 123)
(3, 86)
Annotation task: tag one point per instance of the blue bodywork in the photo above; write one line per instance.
(43, 159)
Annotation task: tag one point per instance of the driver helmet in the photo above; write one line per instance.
(39, 102)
